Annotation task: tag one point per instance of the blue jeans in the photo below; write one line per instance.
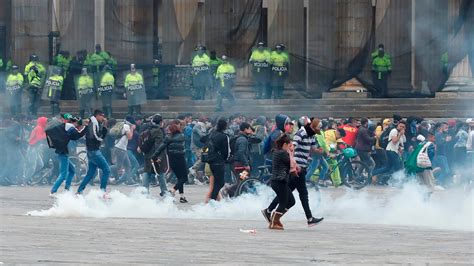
(317, 160)
(161, 179)
(66, 171)
(442, 162)
(134, 165)
(95, 160)
(393, 164)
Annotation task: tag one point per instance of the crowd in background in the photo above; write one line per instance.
(24, 140)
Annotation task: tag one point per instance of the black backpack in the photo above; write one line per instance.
(209, 153)
(384, 137)
(145, 141)
(233, 149)
(56, 135)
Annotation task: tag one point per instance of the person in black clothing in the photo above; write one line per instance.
(95, 134)
(365, 140)
(279, 181)
(221, 143)
(174, 143)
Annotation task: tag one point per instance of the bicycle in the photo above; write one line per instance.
(354, 173)
(251, 184)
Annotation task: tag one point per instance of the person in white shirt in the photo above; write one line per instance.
(394, 151)
(121, 155)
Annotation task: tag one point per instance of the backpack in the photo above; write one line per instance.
(56, 135)
(209, 153)
(233, 149)
(384, 137)
(145, 141)
(116, 130)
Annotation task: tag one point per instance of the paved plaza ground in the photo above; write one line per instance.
(125, 236)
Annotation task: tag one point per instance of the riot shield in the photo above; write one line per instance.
(134, 84)
(53, 84)
(13, 90)
(201, 76)
(85, 92)
(105, 88)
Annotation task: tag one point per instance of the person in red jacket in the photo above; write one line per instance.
(37, 149)
(351, 130)
(38, 134)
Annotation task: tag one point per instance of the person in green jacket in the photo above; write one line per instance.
(381, 69)
(96, 61)
(54, 85)
(35, 74)
(158, 90)
(105, 90)
(200, 64)
(225, 76)
(279, 62)
(260, 62)
(214, 63)
(13, 85)
(133, 84)
(63, 60)
(85, 92)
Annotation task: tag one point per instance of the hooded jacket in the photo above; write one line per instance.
(95, 135)
(38, 133)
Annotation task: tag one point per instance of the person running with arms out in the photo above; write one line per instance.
(95, 134)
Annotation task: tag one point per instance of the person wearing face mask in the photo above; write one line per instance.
(381, 69)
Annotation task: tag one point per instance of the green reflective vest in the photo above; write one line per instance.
(62, 62)
(225, 72)
(107, 80)
(85, 82)
(40, 67)
(133, 79)
(279, 59)
(381, 64)
(14, 79)
(201, 60)
(260, 55)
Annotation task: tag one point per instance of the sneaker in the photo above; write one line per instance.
(327, 183)
(52, 195)
(267, 215)
(106, 196)
(439, 188)
(314, 221)
(183, 200)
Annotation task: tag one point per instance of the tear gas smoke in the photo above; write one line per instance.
(408, 207)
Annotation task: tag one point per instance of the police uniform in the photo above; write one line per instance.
(225, 76)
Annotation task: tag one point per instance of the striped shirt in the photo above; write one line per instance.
(303, 144)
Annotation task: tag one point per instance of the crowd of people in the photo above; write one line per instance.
(153, 151)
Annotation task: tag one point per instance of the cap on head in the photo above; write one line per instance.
(107, 67)
(224, 57)
(156, 61)
(278, 47)
(157, 119)
(260, 44)
(84, 70)
(33, 57)
(132, 67)
(14, 67)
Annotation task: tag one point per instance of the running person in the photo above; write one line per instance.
(95, 135)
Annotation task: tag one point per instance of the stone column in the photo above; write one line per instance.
(460, 78)
(99, 23)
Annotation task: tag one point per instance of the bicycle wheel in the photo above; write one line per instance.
(81, 169)
(249, 185)
(355, 174)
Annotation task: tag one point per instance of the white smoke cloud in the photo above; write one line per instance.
(451, 210)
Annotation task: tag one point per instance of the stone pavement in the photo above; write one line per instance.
(53, 240)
